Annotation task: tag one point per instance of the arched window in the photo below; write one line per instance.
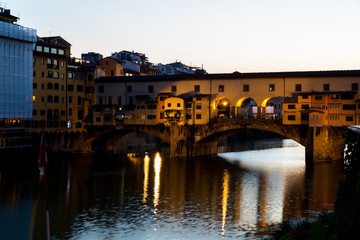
(56, 99)
(56, 75)
(49, 98)
(49, 85)
(56, 86)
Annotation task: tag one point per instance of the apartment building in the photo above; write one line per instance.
(333, 108)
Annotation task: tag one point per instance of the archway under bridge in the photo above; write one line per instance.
(220, 107)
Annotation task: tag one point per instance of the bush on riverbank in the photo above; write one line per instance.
(344, 221)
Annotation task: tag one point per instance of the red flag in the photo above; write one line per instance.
(42, 157)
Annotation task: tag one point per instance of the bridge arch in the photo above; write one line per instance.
(244, 107)
(272, 106)
(220, 107)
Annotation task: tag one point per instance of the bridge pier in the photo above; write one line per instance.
(324, 144)
(182, 143)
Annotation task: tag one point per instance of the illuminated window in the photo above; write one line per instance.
(221, 88)
(46, 49)
(53, 50)
(39, 48)
(61, 52)
(272, 87)
(34, 98)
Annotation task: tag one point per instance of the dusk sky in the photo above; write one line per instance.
(223, 36)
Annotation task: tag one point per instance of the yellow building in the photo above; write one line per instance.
(187, 109)
(335, 108)
(63, 87)
(50, 59)
(80, 93)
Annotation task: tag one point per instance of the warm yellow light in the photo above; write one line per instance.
(157, 170)
(225, 193)
(33, 98)
(146, 177)
(225, 103)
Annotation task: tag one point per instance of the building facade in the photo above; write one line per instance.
(229, 94)
(16, 55)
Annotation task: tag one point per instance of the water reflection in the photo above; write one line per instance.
(225, 196)
(148, 196)
(146, 177)
(157, 170)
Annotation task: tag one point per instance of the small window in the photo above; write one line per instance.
(49, 86)
(178, 104)
(70, 111)
(49, 99)
(246, 88)
(79, 88)
(305, 106)
(197, 88)
(169, 104)
(39, 48)
(354, 86)
(198, 116)
(46, 49)
(70, 99)
(198, 106)
(53, 50)
(291, 117)
(70, 87)
(326, 87)
(291, 106)
(349, 118)
(298, 87)
(315, 117)
(34, 85)
(173, 88)
(271, 87)
(318, 97)
(221, 88)
(61, 52)
(79, 101)
(56, 99)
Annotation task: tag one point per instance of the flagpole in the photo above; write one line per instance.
(43, 161)
(47, 200)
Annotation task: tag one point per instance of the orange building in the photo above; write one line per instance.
(334, 108)
(112, 67)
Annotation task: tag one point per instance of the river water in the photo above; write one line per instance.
(242, 193)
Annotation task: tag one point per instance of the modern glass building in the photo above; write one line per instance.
(16, 68)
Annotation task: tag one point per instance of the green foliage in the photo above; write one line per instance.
(346, 222)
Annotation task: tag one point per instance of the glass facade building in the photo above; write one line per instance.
(16, 71)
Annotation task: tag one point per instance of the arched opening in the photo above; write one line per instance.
(246, 107)
(271, 107)
(220, 108)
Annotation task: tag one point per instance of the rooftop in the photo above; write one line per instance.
(235, 75)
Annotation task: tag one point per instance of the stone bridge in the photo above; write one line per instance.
(321, 143)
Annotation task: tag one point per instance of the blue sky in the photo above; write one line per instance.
(223, 36)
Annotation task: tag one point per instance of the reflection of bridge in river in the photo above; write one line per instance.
(321, 143)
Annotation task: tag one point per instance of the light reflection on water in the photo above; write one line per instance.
(148, 196)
